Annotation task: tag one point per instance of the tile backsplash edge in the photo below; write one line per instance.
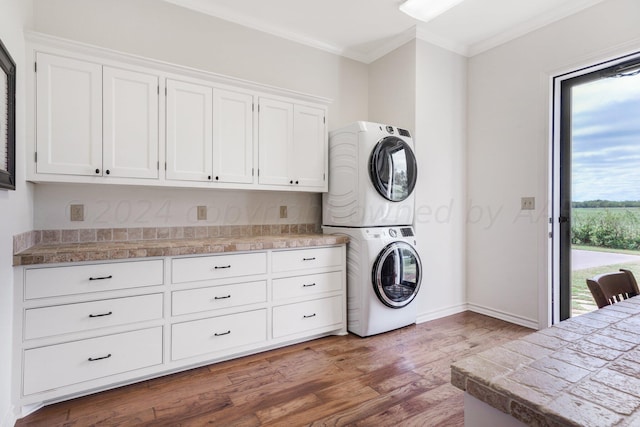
(26, 240)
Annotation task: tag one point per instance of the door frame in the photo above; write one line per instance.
(560, 182)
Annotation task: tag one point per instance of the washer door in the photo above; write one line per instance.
(393, 169)
(396, 274)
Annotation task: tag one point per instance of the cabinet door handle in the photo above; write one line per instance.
(101, 278)
(93, 359)
(309, 285)
(217, 267)
(222, 333)
(101, 314)
(309, 316)
(309, 259)
(224, 297)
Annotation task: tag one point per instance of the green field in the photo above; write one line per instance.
(615, 229)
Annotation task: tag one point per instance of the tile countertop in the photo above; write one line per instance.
(93, 251)
(584, 371)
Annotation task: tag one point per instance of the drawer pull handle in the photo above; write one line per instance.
(93, 359)
(309, 285)
(101, 278)
(223, 333)
(221, 266)
(309, 316)
(102, 314)
(224, 297)
(309, 259)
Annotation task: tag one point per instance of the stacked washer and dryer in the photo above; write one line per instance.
(372, 175)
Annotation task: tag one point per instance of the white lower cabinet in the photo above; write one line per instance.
(307, 316)
(54, 366)
(218, 334)
(87, 326)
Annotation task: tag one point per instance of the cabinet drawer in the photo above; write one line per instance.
(217, 333)
(312, 284)
(306, 316)
(218, 267)
(306, 258)
(217, 297)
(62, 319)
(54, 366)
(77, 279)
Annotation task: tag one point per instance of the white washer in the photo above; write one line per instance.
(372, 174)
(383, 278)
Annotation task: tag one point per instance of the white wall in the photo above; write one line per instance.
(159, 30)
(392, 88)
(508, 152)
(440, 140)
(131, 207)
(16, 206)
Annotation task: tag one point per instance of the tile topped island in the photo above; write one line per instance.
(584, 371)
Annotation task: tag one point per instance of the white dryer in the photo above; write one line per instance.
(372, 174)
(383, 278)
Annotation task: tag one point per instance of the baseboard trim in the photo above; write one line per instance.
(502, 315)
(441, 312)
(10, 418)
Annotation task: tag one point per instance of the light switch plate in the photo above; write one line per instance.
(283, 211)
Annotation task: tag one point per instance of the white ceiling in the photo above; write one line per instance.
(368, 29)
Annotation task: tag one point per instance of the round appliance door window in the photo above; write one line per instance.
(396, 274)
(393, 169)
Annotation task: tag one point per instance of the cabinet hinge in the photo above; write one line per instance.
(35, 157)
(165, 166)
(158, 164)
(258, 108)
(253, 107)
(158, 89)
(258, 171)
(324, 176)
(35, 67)
(324, 120)
(165, 91)
(252, 172)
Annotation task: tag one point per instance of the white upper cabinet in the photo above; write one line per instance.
(130, 133)
(292, 144)
(69, 116)
(105, 117)
(189, 131)
(94, 120)
(209, 134)
(310, 146)
(275, 133)
(232, 137)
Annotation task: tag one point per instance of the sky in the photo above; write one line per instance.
(606, 140)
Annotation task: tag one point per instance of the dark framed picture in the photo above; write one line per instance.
(7, 120)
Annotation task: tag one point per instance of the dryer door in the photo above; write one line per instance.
(393, 169)
(396, 274)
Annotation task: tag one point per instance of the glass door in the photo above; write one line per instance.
(396, 275)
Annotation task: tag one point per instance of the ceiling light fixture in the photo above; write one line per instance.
(426, 10)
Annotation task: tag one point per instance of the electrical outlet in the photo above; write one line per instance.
(528, 203)
(202, 213)
(283, 211)
(77, 213)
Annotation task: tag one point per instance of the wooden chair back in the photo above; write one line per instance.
(609, 288)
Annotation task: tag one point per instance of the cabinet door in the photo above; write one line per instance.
(189, 131)
(130, 143)
(232, 136)
(68, 116)
(275, 135)
(309, 146)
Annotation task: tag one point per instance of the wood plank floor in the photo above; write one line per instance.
(400, 378)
